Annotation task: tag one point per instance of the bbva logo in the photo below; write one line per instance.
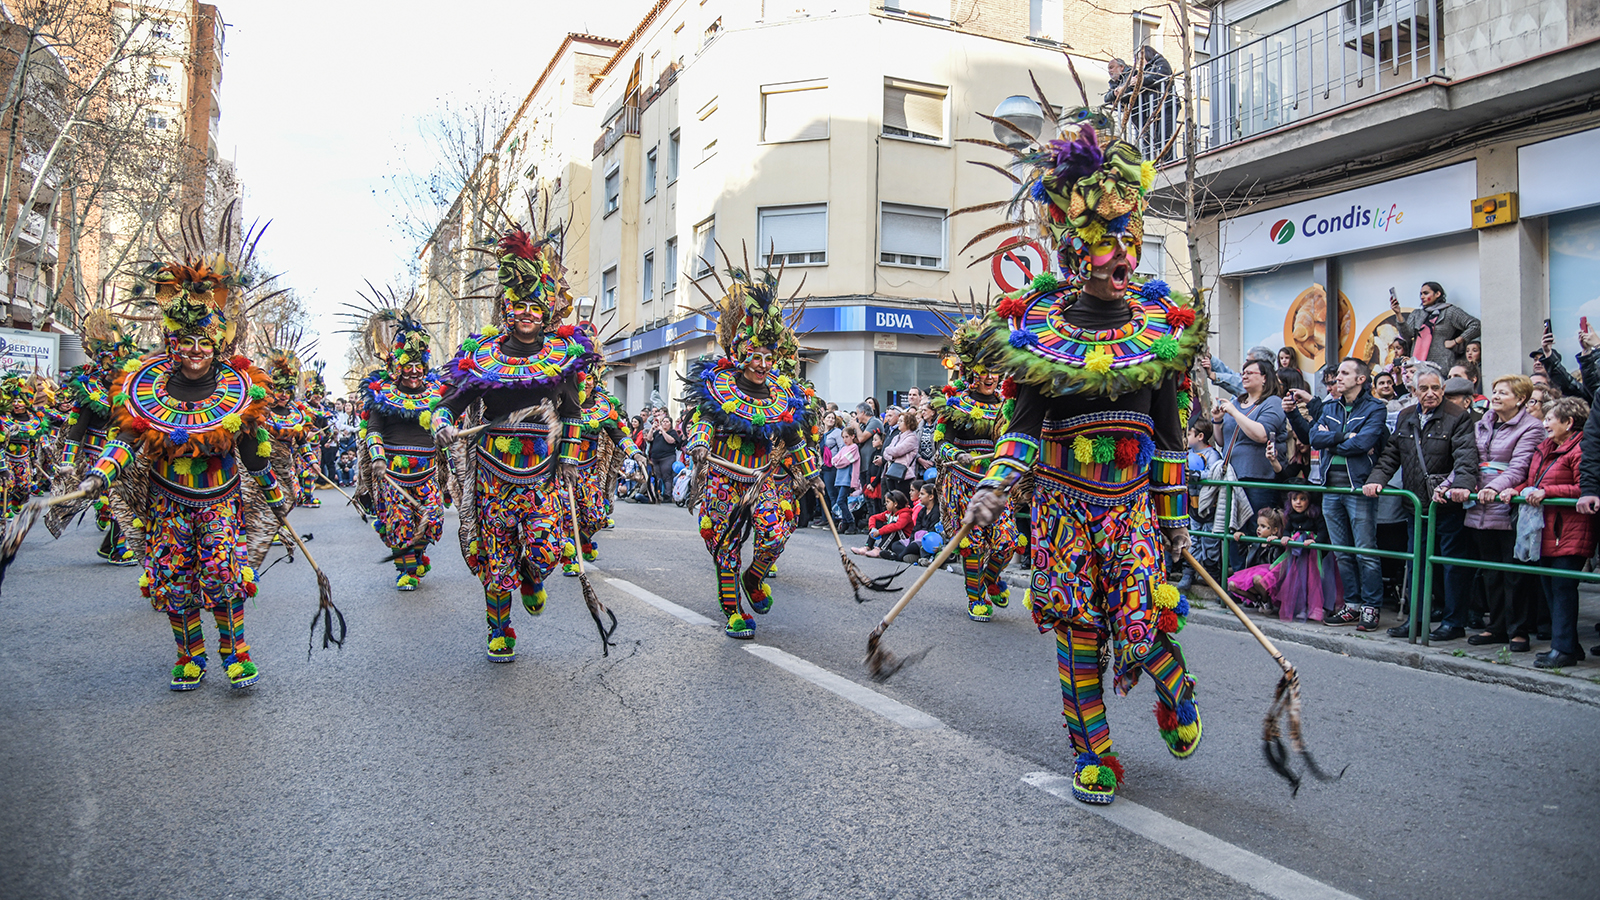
(1281, 232)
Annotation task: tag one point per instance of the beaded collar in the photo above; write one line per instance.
(290, 421)
(89, 393)
(742, 413)
(384, 396)
(600, 413)
(145, 396)
(25, 429)
(481, 363)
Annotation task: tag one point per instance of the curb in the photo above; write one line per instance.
(1578, 689)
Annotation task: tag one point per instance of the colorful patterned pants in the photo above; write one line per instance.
(402, 525)
(593, 509)
(195, 555)
(987, 549)
(772, 521)
(1095, 575)
(308, 460)
(519, 539)
(19, 480)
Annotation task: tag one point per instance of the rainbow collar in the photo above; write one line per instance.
(384, 396)
(156, 410)
(777, 418)
(482, 364)
(600, 413)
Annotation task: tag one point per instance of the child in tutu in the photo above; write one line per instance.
(1253, 584)
(1307, 583)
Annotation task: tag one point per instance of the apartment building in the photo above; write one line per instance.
(1348, 148)
(543, 153)
(820, 136)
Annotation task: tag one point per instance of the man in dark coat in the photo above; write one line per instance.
(1442, 432)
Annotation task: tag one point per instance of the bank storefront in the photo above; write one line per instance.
(1288, 264)
(849, 351)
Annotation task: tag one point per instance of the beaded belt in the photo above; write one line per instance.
(1102, 458)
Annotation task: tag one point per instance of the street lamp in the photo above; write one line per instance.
(1023, 112)
(585, 307)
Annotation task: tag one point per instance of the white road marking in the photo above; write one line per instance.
(661, 603)
(1214, 853)
(866, 698)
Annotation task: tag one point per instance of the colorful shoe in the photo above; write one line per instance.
(188, 673)
(591, 553)
(1000, 593)
(980, 611)
(1095, 778)
(534, 602)
(406, 582)
(122, 556)
(569, 569)
(1180, 727)
(740, 628)
(758, 593)
(241, 671)
(311, 503)
(502, 646)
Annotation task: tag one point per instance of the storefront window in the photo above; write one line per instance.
(1574, 275)
(903, 371)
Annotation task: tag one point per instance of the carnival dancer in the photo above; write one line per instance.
(604, 441)
(968, 423)
(747, 433)
(88, 389)
(187, 420)
(313, 390)
(24, 427)
(287, 419)
(1099, 369)
(406, 481)
(508, 482)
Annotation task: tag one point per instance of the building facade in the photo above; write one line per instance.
(1348, 149)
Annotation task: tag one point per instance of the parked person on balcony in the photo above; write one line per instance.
(1568, 537)
(1350, 434)
(1507, 438)
(1439, 331)
(1434, 451)
(1147, 86)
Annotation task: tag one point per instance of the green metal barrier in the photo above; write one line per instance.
(1417, 556)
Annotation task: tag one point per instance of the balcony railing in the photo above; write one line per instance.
(624, 122)
(1350, 52)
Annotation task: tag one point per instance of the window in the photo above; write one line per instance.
(613, 190)
(1153, 259)
(670, 276)
(912, 236)
(650, 174)
(1045, 18)
(160, 75)
(608, 289)
(705, 247)
(647, 291)
(1145, 29)
(913, 110)
(794, 112)
(161, 31)
(712, 31)
(708, 151)
(793, 235)
(156, 122)
(1202, 45)
(672, 156)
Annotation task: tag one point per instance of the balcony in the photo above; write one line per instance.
(624, 122)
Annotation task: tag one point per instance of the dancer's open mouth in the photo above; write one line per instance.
(1119, 276)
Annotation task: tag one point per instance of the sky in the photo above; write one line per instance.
(319, 97)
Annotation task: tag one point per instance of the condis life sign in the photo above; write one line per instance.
(1419, 206)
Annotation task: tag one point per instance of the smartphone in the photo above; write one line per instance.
(1547, 327)
(1583, 323)
(1392, 297)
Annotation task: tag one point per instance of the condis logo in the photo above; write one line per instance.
(1281, 232)
(1356, 217)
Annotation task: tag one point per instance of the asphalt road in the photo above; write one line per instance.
(686, 765)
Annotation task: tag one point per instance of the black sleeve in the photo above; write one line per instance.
(254, 461)
(1561, 378)
(456, 400)
(1389, 462)
(78, 429)
(375, 423)
(1027, 417)
(1589, 468)
(1164, 412)
(1464, 449)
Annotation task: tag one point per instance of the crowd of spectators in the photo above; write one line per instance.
(1422, 423)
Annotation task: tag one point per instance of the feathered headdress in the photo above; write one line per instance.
(14, 387)
(751, 314)
(389, 328)
(104, 337)
(200, 290)
(287, 353)
(962, 332)
(311, 383)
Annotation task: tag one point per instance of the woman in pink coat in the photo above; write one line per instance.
(1507, 439)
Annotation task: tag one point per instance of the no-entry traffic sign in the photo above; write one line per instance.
(1018, 261)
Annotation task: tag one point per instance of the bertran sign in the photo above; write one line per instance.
(1406, 209)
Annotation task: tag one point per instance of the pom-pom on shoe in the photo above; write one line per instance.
(590, 553)
(740, 627)
(1000, 593)
(1180, 727)
(241, 671)
(569, 569)
(979, 610)
(1095, 778)
(188, 673)
(534, 602)
(405, 582)
(502, 646)
(758, 593)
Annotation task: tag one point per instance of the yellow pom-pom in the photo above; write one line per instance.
(783, 381)
(1187, 733)
(191, 670)
(138, 523)
(247, 573)
(1167, 597)
(231, 421)
(497, 644)
(144, 580)
(965, 543)
(425, 420)
(1147, 174)
(1083, 449)
(490, 332)
(130, 365)
(736, 442)
(705, 522)
(181, 465)
(1098, 360)
(264, 449)
(785, 505)
(1089, 775)
(1022, 542)
(729, 406)
(234, 671)
(503, 444)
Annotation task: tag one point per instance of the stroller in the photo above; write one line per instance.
(681, 483)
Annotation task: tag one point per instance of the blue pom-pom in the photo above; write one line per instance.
(179, 436)
(1037, 191)
(1147, 452)
(1119, 224)
(1088, 759)
(1186, 712)
(540, 447)
(1182, 609)
(1154, 289)
(1022, 337)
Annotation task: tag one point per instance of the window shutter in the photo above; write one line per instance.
(894, 108)
(924, 114)
(792, 229)
(796, 115)
(913, 231)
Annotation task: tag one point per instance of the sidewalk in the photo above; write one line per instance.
(1489, 663)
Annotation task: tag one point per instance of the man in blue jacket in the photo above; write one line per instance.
(1350, 431)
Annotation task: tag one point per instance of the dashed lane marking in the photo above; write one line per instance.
(659, 602)
(1214, 853)
(866, 698)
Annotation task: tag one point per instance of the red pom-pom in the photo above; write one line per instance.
(1111, 761)
(725, 363)
(463, 365)
(527, 446)
(1127, 452)
(141, 424)
(565, 331)
(950, 390)
(511, 632)
(250, 588)
(1056, 214)
(788, 416)
(215, 465)
(1181, 317)
(1167, 622)
(1187, 382)
(240, 361)
(1011, 307)
(1166, 719)
(1008, 388)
